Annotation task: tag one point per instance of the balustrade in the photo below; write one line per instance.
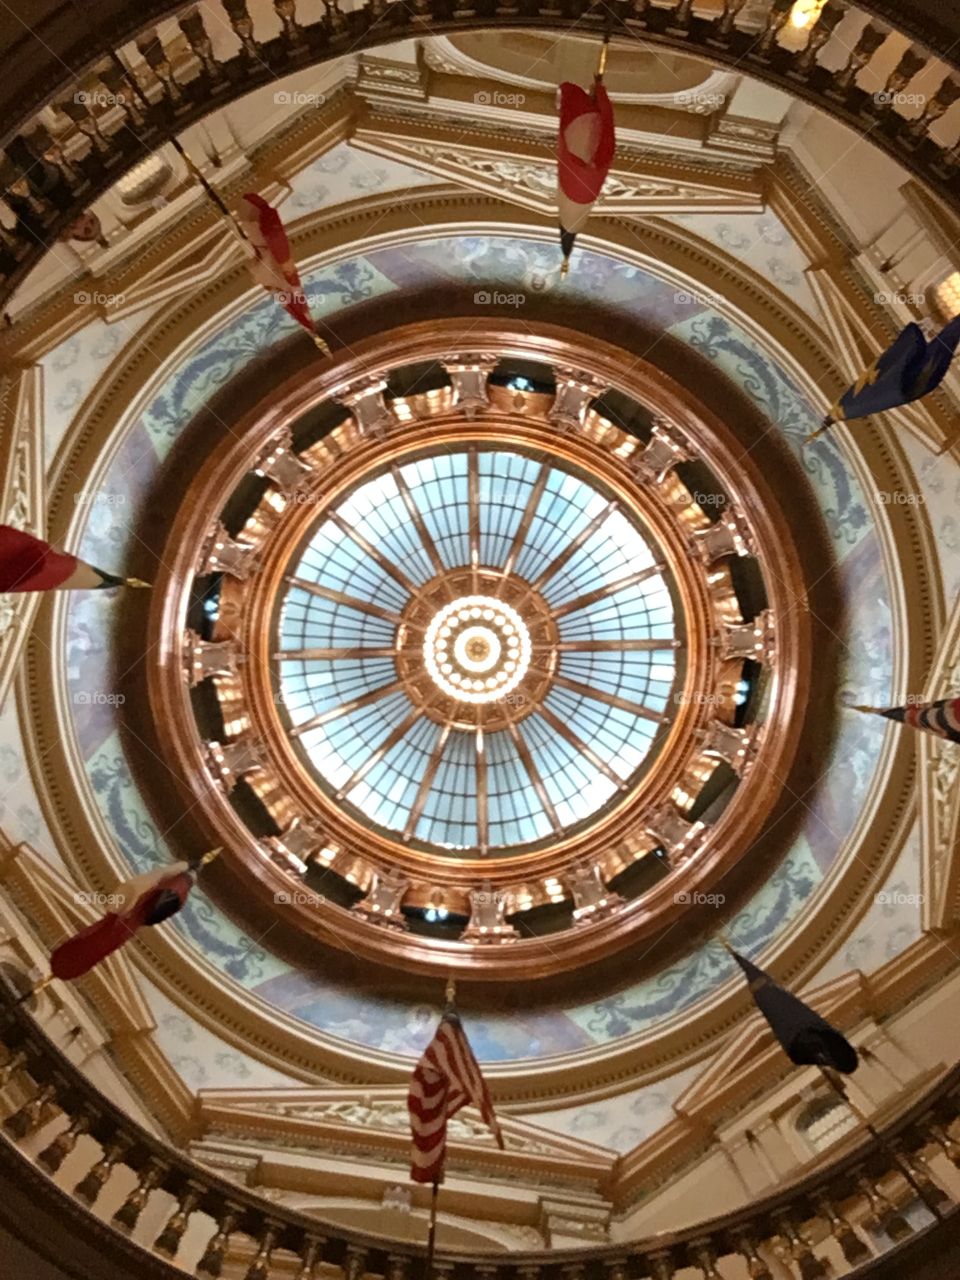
(49, 180)
(796, 1224)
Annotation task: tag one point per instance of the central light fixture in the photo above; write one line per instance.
(477, 649)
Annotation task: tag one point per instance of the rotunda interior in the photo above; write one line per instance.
(512, 633)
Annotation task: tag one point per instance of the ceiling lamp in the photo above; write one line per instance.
(805, 13)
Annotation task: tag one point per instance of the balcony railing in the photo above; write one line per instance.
(73, 150)
(47, 1104)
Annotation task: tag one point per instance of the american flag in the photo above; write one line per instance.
(941, 718)
(446, 1078)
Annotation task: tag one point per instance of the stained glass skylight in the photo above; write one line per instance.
(477, 649)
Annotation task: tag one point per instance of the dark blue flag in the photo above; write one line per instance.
(805, 1037)
(908, 370)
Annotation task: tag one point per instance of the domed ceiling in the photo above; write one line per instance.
(511, 642)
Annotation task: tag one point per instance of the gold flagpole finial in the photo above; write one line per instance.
(321, 345)
(138, 582)
(210, 855)
(724, 942)
(565, 268)
(602, 63)
(451, 989)
(870, 711)
(815, 435)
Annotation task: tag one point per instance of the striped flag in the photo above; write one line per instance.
(941, 718)
(30, 564)
(272, 264)
(446, 1078)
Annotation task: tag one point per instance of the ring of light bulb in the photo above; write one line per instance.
(477, 649)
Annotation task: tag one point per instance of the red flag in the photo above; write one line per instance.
(446, 1078)
(585, 152)
(30, 564)
(273, 265)
(147, 899)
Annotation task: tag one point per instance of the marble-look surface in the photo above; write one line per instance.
(203, 1060)
(347, 173)
(761, 242)
(372, 1018)
(72, 369)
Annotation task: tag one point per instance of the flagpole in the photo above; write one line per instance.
(835, 1084)
(432, 1234)
(821, 430)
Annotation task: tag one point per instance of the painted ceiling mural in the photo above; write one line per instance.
(514, 265)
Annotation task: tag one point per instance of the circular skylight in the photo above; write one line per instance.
(477, 649)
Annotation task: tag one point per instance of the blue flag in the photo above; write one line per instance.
(908, 370)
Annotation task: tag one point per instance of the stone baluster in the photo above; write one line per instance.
(192, 26)
(334, 18)
(871, 38)
(242, 24)
(128, 1215)
(211, 1264)
(79, 110)
(777, 19)
(398, 1266)
(12, 1066)
(122, 87)
(311, 1258)
(727, 21)
(932, 1192)
(53, 1156)
(636, 17)
(292, 34)
(757, 1269)
(25, 203)
(944, 1140)
(154, 55)
(679, 24)
(704, 1254)
(810, 1266)
(355, 1264)
(909, 65)
(937, 105)
(662, 1265)
(852, 1247)
(92, 1183)
(168, 1241)
(33, 1114)
(823, 29)
(42, 143)
(259, 1268)
(883, 1216)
